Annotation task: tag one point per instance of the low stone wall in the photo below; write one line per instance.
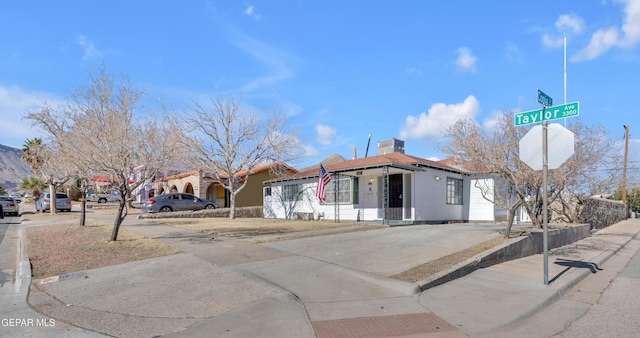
(601, 212)
(532, 244)
(519, 247)
(244, 212)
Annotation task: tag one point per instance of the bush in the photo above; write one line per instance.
(75, 194)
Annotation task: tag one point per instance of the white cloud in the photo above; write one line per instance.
(627, 36)
(15, 104)
(414, 71)
(291, 109)
(439, 117)
(326, 134)
(275, 59)
(466, 61)
(492, 121)
(88, 47)
(631, 26)
(566, 25)
(570, 23)
(601, 41)
(549, 41)
(309, 151)
(250, 11)
(513, 53)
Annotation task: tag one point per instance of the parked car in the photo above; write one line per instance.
(62, 202)
(176, 202)
(10, 207)
(16, 196)
(113, 196)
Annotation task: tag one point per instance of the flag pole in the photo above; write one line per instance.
(565, 74)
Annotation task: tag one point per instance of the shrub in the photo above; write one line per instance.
(75, 194)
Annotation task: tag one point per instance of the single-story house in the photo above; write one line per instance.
(389, 187)
(201, 183)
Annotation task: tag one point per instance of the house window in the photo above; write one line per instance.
(454, 191)
(267, 191)
(347, 190)
(292, 192)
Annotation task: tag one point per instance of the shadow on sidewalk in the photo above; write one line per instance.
(574, 264)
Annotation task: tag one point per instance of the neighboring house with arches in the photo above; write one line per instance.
(201, 183)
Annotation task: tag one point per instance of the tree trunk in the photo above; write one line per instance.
(129, 200)
(83, 207)
(507, 230)
(52, 195)
(83, 212)
(119, 218)
(232, 205)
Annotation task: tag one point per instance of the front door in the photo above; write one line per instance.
(395, 196)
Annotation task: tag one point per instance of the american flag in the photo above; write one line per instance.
(323, 180)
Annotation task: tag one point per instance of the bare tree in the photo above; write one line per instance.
(55, 171)
(231, 143)
(582, 175)
(107, 137)
(289, 197)
(516, 184)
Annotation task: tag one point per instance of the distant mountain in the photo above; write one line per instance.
(12, 168)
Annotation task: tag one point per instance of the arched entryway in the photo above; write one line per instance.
(173, 189)
(219, 194)
(188, 188)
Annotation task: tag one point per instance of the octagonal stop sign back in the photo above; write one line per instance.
(560, 145)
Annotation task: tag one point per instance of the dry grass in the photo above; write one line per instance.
(268, 230)
(66, 248)
(424, 271)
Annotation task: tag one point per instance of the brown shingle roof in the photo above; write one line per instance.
(262, 168)
(241, 173)
(377, 161)
(464, 165)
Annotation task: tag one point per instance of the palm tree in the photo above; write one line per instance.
(34, 184)
(31, 153)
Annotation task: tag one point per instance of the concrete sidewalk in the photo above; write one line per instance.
(17, 318)
(235, 288)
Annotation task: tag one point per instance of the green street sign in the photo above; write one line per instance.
(544, 99)
(547, 114)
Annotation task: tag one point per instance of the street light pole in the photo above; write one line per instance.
(624, 170)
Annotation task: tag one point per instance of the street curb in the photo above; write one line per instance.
(23, 275)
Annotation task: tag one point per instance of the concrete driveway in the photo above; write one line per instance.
(389, 251)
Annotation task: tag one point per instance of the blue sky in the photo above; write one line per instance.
(340, 70)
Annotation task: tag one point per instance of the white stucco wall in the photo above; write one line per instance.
(431, 197)
(428, 200)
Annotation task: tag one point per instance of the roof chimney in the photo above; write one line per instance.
(390, 146)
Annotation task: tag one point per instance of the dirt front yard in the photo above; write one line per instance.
(64, 248)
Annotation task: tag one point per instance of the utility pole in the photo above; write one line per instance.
(624, 170)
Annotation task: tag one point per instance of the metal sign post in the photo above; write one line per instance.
(530, 154)
(545, 211)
